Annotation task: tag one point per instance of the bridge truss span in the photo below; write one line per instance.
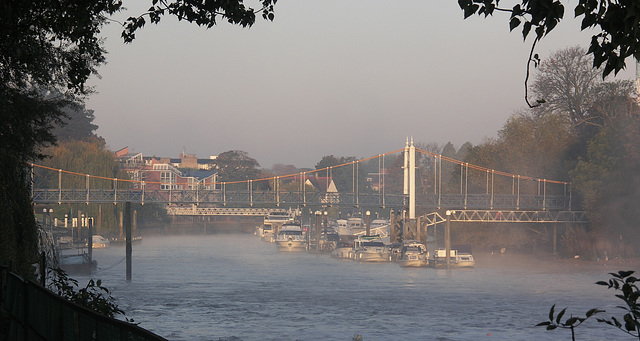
(497, 216)
(220, 211)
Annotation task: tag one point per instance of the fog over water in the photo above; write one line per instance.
(237, 287)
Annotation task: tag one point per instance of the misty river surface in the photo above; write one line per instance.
(237, 287)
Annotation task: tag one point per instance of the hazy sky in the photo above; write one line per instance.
(348, 78)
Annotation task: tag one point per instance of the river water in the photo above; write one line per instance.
(237, 287)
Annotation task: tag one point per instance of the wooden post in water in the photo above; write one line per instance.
(447, 238)
(325, 224)
(405, 226)
(77, 237)
(99, 220)
(368, 226)
(317, 230)
(90, 239)
(555, 236)
(134, 224)
(127, 227)
(120, 224)
(392, 221)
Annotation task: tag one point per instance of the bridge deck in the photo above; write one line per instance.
(297, 198)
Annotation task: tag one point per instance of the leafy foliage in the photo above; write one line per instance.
(89, 156)
(607, 179)
(76, 125)
(555, 321)
(236, 165)
(343, 176)
(48, 50)
(93, 296)
(587, 132)
(627, 285)
(570, 87)
(616, 24)
(622, 281)
(202, 13)
(529, 145)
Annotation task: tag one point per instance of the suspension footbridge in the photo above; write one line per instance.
(437, 183)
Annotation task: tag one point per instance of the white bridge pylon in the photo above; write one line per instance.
(410, 176)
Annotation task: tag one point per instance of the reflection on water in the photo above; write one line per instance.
(236, 287)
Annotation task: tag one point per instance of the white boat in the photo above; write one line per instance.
(356, 227)
(370, 249)
(75, 259)
(380, 227)
(413, 254)
(456, 259)
(272, 223)
(344, 247)
(290, 238)
(350, 227)
(99, 242)
(267, 233)
(278, 218)
(379, 223)
(341, 227)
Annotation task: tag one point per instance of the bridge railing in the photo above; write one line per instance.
(292, 198)
(219, 197)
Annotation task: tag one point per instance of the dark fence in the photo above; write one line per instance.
(35, 313)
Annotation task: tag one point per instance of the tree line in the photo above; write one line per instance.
(587, 131)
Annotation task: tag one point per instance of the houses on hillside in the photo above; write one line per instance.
(190, 172)
(156, 173)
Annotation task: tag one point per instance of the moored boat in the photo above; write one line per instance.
(344, 247)
(456, 259)
(370, 249)
(122, 241)
(75, 260)
(342, 228)
(290, 238)
(413, 254)
(99, 242)
(272, 223)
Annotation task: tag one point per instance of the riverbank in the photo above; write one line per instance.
(549, 263)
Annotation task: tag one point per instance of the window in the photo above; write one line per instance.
(167, 179)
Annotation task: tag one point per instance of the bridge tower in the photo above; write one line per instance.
(410, 176)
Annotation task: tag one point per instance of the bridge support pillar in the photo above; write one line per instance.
(555, 238)
(410, 177)
(368, 223)
(90, 239)
(120, 224)
(393, 231)
(318, 230)
(127, 226)
(447, 238)
(405, 226)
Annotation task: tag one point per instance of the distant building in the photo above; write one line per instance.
(324, 185)
(160, 173)
(376, 180)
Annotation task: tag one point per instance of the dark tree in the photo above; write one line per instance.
(48, 50)
(344, 172)
(236, 165)
(76, 125)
